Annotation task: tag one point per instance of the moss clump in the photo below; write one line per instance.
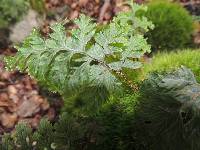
(173, 26)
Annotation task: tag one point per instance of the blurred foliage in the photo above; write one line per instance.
(12, 11)
(173, 26)
(38, 5)
(168, 115)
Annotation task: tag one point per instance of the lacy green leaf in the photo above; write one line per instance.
(87, 59)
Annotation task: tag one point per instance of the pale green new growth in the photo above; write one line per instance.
(86, 60)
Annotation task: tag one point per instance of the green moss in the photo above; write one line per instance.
(173, 26)
(116, 123)
(162, 62)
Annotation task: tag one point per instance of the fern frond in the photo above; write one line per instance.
(87, 59)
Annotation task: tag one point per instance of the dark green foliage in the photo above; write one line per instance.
(168, 116)
(23, 137)
(7, 142)
(111, 127)
(86, 103)
(44, 136)
(69, 131)
(116, 120)
(12, 11)
(173, 26)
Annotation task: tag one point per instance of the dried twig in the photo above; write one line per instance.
(103, 10)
